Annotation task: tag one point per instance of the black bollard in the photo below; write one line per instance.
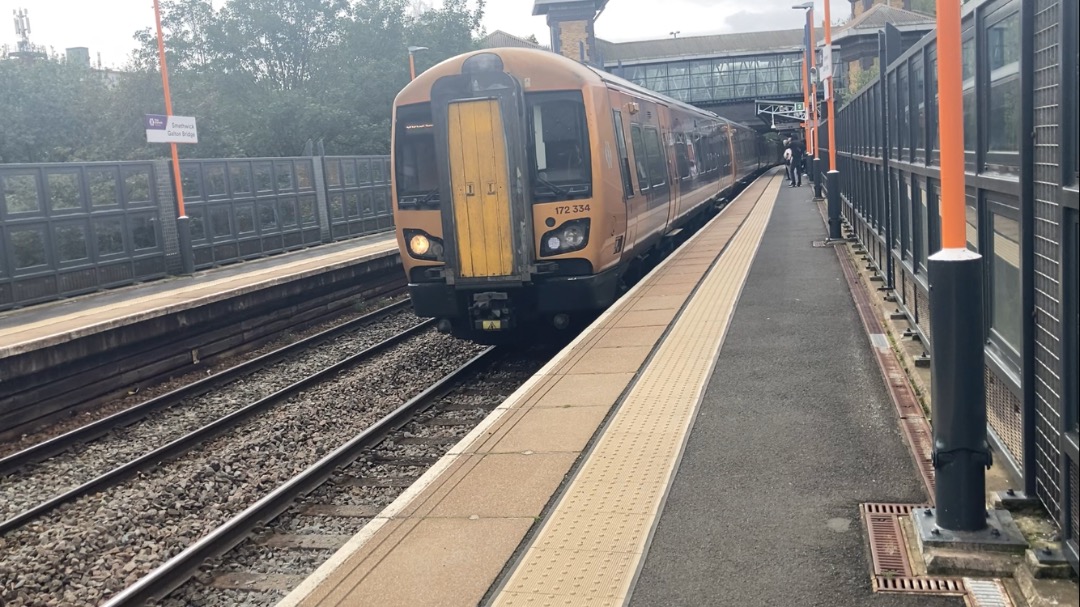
(816, 164)
(833, 186)
(961, 454)
(183, 239)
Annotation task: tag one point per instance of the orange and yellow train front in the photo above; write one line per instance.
(497, 210)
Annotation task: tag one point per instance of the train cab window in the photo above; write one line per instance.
(558, 147)
(641, 159)
(624, 160)
(657, 161)
(415, 164)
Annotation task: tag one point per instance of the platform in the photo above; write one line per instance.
(707, 441)
(48, 324)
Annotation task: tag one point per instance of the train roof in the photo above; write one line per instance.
(516, 57)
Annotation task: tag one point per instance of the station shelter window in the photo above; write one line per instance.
(971, 215)
(1003, 100)
(971, 123)
(1003, 240)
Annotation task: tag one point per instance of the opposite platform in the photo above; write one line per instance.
(53, 323)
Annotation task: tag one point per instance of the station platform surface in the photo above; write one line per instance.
(48, 324)
(707, 441)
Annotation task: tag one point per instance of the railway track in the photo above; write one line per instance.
(293, 529)
(31, 484)
(89, 548)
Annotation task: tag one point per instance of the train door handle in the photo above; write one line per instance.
(491, 189)
(470, 190)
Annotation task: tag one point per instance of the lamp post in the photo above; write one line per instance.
(183, 223)
(412, 60)
(812, 109)
(815, 121)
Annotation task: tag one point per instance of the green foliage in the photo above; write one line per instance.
(263, 77)
(863, 78)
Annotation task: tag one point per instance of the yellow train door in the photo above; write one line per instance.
(479, 178)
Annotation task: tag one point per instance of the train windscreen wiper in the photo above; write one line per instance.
(557, 190)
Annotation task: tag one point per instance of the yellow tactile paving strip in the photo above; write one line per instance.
(65, 327)
(589, 549)
(447, 538)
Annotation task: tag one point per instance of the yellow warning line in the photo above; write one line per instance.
(589, 550)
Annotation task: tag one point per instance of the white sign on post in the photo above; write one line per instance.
(171, 129)
(826, 63)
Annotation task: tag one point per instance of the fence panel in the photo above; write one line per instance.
(73, 228)
(1016, 92)
(358, 193)
(67, 229)
(242, 209)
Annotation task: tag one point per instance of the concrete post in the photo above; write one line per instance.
(322, 199)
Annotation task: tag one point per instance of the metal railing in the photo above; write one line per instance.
(1021, 191)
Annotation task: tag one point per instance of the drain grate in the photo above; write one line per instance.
(893, 509)
(903, 396)
(886, 543)
(919, 436)
(987, 593)
(920, 585)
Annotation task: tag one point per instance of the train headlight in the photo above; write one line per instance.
(570, 236)
(423, 246)
(419, 245)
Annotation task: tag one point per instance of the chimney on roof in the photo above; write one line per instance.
(572, 27)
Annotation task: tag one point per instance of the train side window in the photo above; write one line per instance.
(624, 160)
(657, 162)
(682, 161)
(699, 155)
(640, 158)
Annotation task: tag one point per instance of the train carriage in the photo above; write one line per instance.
(526, 185)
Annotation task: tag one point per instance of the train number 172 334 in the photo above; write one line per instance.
(567, 209)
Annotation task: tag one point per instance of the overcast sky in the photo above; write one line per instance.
(106, 26)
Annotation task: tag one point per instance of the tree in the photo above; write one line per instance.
(278, 42)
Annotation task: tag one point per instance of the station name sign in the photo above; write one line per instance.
(171, 129)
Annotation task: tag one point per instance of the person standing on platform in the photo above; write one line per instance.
(798, 154)
(789, 162)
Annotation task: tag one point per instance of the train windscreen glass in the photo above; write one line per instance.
(416, 167)
(559, 156)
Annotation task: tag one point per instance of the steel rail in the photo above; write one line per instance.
(211, 430)
(157, 584)
(89, 432)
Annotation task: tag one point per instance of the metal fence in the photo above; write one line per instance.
(72, 228)
(1020, 106)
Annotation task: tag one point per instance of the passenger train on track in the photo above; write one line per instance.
(526, 185)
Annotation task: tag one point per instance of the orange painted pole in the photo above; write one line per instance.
(951, 113)
(412, 66)
(168, 110)
(806, 95)
(813, 85)
(832, 95)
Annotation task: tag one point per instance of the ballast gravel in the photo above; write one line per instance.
(40, 482)
(92, 548)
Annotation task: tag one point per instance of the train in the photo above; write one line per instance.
(528, 186)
